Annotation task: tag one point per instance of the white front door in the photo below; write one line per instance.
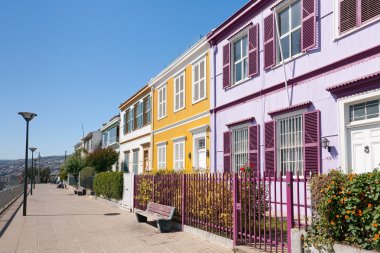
(202, 158)
(365, 148)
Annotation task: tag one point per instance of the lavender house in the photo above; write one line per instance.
(307, 104)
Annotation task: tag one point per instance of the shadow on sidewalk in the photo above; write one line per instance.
(75, 214)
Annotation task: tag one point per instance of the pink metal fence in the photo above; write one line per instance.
(249, 208)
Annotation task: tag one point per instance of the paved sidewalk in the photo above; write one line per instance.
(59, 221)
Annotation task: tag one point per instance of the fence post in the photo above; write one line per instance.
(289, 208)
(235, 208)
(183, 200)
(153, 189)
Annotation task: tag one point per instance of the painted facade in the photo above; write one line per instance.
(110, 137)
(135, 132)
(181, 111)
(333, 89)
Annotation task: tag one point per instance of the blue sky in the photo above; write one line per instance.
(74, 61)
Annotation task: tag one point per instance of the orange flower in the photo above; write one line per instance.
(348, 192)
(348, 211)
(345, 198)
(337, 216)
(376, 237)
(321, 190)
(329, 201)
(369, 205)
(334, 196)
(375, 225)
(341, 201)
(332, 222)
(346, 217)
(340, 192)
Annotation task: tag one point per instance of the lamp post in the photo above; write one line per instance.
(32, 177)
(28, 116)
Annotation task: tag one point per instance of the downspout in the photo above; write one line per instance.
(282, 58)
(152, 128)
(215, 50)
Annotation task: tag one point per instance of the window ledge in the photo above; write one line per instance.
(163, 117)
(238, 83)
(180, 109)
(364, 122)
(278, 65)
(340, 36)
(199, 100)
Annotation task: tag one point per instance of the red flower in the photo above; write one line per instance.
(242, 169)
(251, 165)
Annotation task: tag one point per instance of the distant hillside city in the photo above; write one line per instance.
(10, 170)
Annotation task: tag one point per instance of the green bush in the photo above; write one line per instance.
(109, 185)
(347, 210)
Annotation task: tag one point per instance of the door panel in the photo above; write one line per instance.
(358, 158)
(375, 154)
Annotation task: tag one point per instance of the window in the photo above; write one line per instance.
(136, 161)
(199, 80)
(161, 154)
(125, 122)
(162, 102)
(126, 161)
(105, 140)
(179, 92)
(290, 145)
(239, 148)
(147, 111)
(179, 155)
(131, 119)
(355, 13)
(289, 27)
(140, 115)
(240, 59)
(112, 136)
(365, 110)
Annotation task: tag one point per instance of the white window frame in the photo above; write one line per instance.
(233, 130)
(162, 108)
(345, 125)
(279, 9)
(130, 120)
(161, 147)
(177, 144)
(204, 79)
(179, 93)
(279, 118)
(238, 37)
(148, 112)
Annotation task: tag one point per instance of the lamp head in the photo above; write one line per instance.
(28, 116)
(32, 149)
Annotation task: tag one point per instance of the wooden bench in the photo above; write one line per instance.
(162, 214)
(80, 191)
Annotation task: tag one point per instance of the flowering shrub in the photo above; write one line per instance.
(247, 168)
(347, 210)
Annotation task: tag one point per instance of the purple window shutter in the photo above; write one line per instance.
(227, 151)
(269, 43)
(311, 138)
(253, 53)
(309, 24)
(270, 147)
(226, 66)
(254, 147)
(348, 10)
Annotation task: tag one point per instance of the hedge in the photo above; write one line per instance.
(347, 210)
(109, 185)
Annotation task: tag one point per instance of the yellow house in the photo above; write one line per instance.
(181, 116)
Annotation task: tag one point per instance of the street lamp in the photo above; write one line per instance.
(32, 177)
(28, 116)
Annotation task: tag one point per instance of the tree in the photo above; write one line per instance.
(63, 173)
(102, 160)
(45, 175)
(74, 164)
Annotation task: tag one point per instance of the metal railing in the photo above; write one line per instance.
(8, 195)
